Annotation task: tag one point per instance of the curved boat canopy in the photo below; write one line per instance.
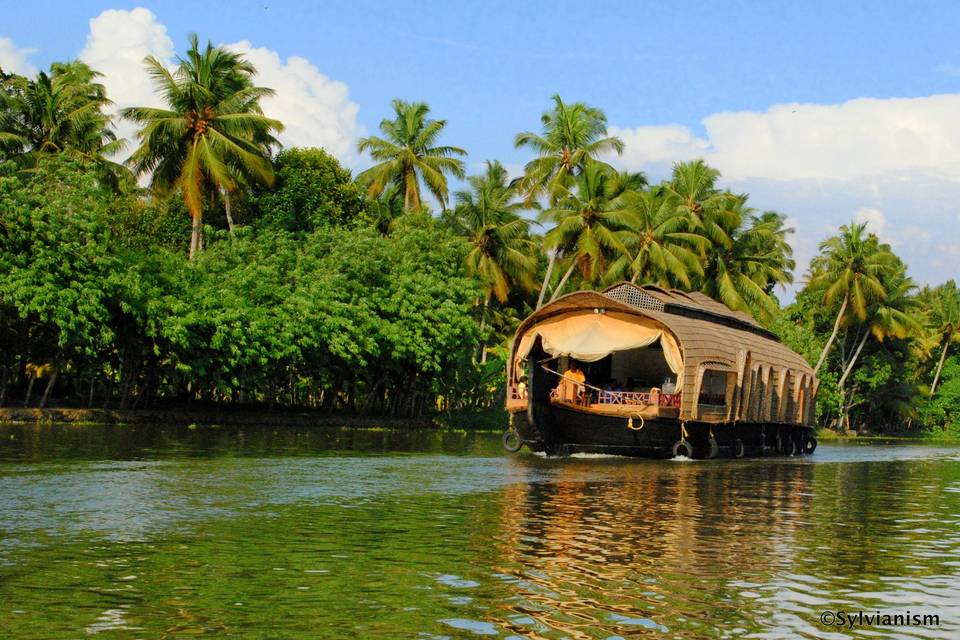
(589, 337)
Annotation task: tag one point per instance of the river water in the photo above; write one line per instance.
(162, 532)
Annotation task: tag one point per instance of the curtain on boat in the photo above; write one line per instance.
(589, 336)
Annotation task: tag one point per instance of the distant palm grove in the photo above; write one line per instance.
(200, 264)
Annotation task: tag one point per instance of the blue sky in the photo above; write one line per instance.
(800, 104)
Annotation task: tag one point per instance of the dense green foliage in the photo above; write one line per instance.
(323, 289)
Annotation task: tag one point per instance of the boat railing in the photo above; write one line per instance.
(671, 400)
(589, 394)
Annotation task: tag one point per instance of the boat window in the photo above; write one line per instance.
(713, 388)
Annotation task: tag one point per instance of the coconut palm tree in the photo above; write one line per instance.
(488, 215)
(742, 275)
(591, 223)
(946, 321)
(408, 154)
(713, 212)
(57, 112)
(850, 268)
(213, 137)
(662, 249)
(573, 135)
(892, 316)
(500, 250)
(386, 208)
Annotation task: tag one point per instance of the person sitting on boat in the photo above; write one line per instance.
(522, 387)
(571, 386)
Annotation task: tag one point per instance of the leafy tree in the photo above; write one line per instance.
(408, 154)
(311, 190)
(58, 265)
(213, 136)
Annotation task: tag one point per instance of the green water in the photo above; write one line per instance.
(159, 532)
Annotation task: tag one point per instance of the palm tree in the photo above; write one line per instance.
(946, 320)
(850, 268)
(573, 135)
(59, 112)
(408, 154)
(592, 223)
(500, 249)
(212, 137)
(891, 316)
(662, 250)
(386, 208)
(742, 275)
(714, 214)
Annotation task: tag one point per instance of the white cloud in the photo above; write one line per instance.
(316, 110)
(13, 59)
(875, 220)
(659, 145)
(116, 46)
(894, 163)
(855, 139)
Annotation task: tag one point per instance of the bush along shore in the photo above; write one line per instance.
(248, 277)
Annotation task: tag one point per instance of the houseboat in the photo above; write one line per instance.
(646, 371)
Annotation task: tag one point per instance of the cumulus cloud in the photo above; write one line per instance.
(316, 110)
(14, 59)
(875, 220)
(894, 163)
(855, 139)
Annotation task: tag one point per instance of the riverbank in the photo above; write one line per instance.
(480, 420)
(829, 435)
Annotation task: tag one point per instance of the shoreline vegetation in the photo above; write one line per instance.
(201, 265)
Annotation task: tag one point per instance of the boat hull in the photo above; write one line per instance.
(561, 430)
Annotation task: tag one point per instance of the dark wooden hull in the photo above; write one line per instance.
(561, 430)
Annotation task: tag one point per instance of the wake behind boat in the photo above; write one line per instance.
(645, 371)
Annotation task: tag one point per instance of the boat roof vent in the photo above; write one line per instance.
(634, 296)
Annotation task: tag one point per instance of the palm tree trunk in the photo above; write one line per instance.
(46, 392)
(26, 399)
(195, 237)
(483, 325)
(563, 281)
(833, 336)
(226, 208)
(854, 358)
(943, 356)
(546, 278)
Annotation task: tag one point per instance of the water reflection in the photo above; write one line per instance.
(717, 550)
(170, 532)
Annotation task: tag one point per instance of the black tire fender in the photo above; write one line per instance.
(810, 445)
(738, 448)
(511, 441)
(712, 448)
(685, 446)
